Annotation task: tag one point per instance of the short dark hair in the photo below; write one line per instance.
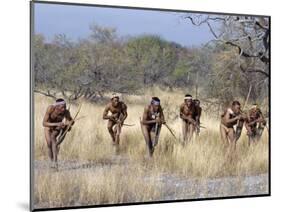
(188, 95)
(115, 97)
(196, 101)
(60, 100)
(236, 103)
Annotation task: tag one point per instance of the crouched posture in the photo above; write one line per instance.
(118, 110)
(198, 113)
(255, 124)
(151, 123)
(190, 119)
(231, 117)
(55, 126)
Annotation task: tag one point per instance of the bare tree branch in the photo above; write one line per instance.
(254, 70)
(48, 94)
(247, 36)
(212, 31)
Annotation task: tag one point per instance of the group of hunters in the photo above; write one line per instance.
(58, 121)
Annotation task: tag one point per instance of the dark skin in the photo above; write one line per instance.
(188, 115)
(53, 126)
(118, 115)
(152, 120)
(228, 121)
(197, 117)
(254, 124)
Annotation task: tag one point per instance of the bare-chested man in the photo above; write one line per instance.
(231, 117)
(198, 111)
(118, 110)
(188, 116)
(151, 123)
(55, 122)
(255, 124)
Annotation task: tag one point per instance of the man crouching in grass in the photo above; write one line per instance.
(255, 124)
(54, 128)
(151, 122)
(118, 110)
(231, 117)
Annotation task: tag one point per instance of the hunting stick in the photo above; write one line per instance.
(68, 126)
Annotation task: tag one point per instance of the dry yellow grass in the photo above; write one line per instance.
(93, 174)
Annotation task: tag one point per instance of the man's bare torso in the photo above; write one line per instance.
(116, 111)
(152, 115)
(55, 117)
(187, 111)
(230, 113)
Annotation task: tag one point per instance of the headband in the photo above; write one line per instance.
(154, 102)
(188, 98)
(254, 106)
(59, 103)
(114, 95)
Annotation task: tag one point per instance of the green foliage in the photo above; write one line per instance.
(152, 57)
(105, 62)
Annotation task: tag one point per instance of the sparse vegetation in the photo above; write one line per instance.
(233, 66)
(91, 173)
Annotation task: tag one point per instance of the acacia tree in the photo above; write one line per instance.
(248, 34)
(248, 37)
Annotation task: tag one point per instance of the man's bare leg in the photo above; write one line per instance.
(232, 139)
(152, 138)
(195, 134)
(239, 130)
(61, 139)
(155, 135)
(54, 151)
(54, 135)
(117, 133)
(47, 133)
(191, 130)
(110, 125)
(151, 143)
(198, 128)
(249, 140)
(260, 131)
(184, 132)
(224, 134)
(147, 138)
(60, 136)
